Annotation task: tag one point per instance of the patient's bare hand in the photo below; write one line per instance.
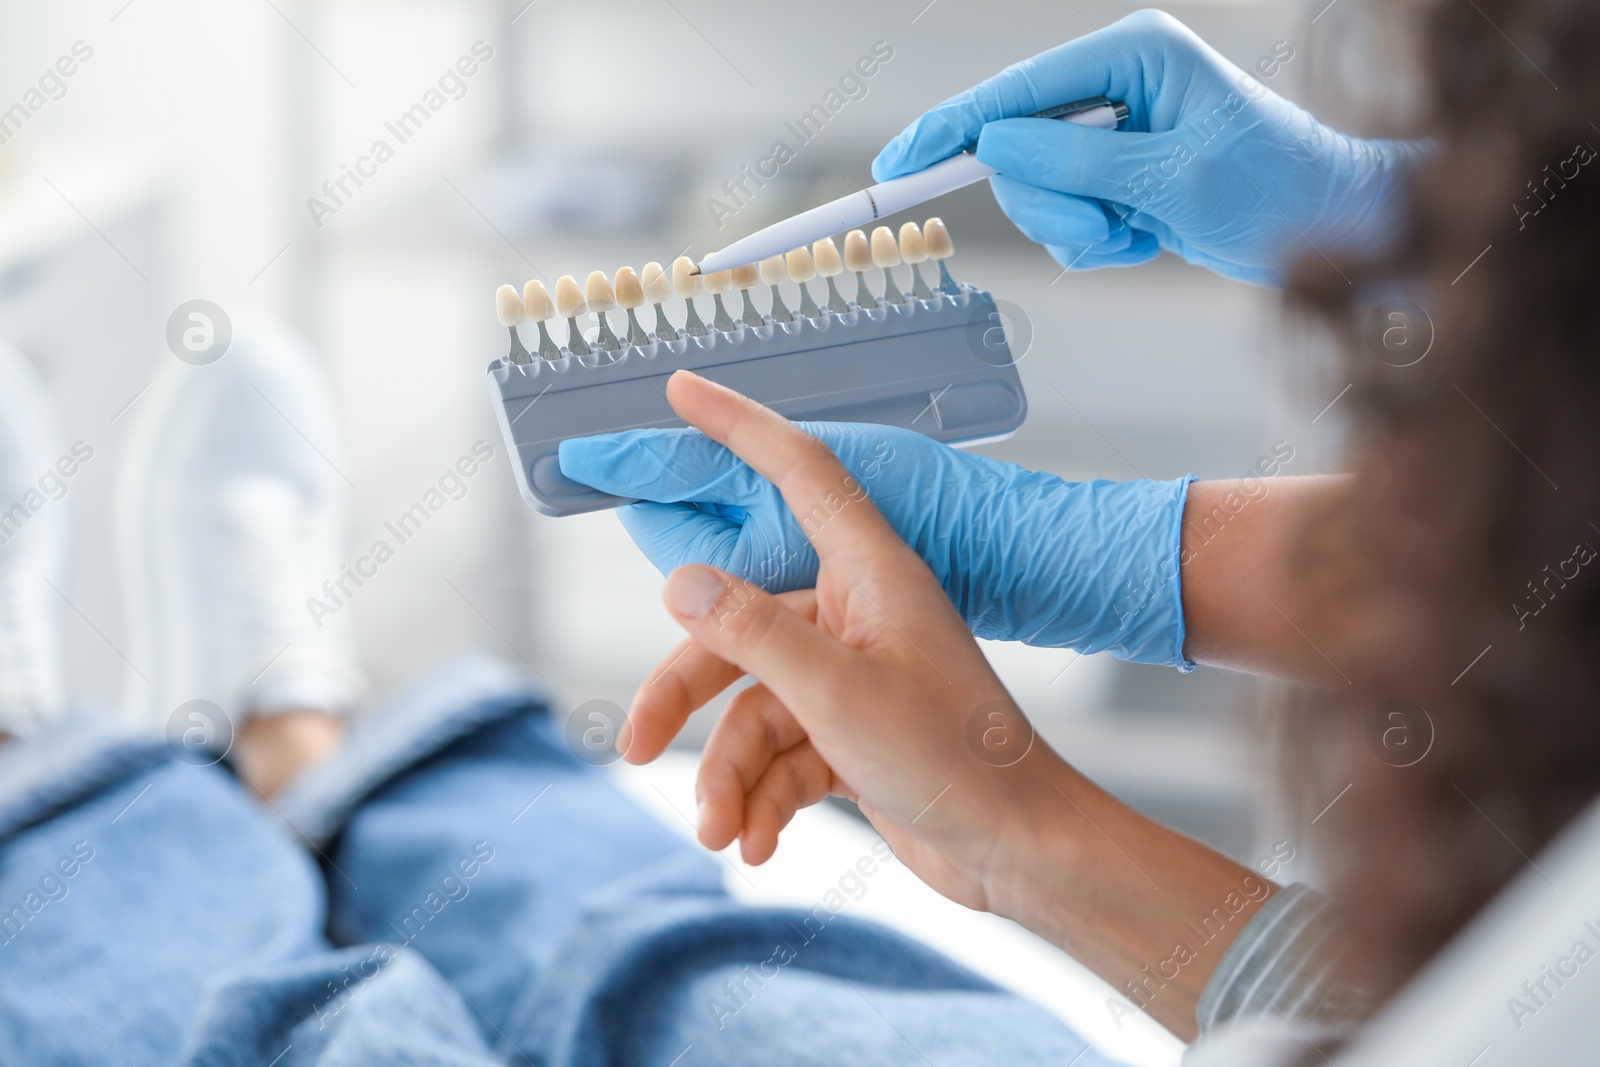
(758, 767)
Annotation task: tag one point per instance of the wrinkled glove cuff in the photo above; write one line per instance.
(1095, 568)
(1147, 599)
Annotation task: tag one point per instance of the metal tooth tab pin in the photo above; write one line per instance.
(509, 310)
(858, 257)
(688, 285)
(801, 270)
(825, 254)
(746, 278)
(886, 254)
(569, 305)
(936, 239)
(717, 283)
(541, 309)
(774, 270)
(915, 253)
(658, 290)
(600, 297)
(630, 295)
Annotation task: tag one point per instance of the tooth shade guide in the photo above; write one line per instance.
(536, 300)
(857, 251)
(569, 305)
(509, 310)
(870, 368)
(744, 279)
(541, 308)
(657, 285)
(595, 353)
(886, 254)
(825, 254)
(658, 290)
(717, 283)
(858, 257)
(569, 298)
(630, 295)
(829, 264)
(802, 268)
(774, 270)
(912, 249)
(598, 292)
(685, 282)
(915, 253)
(601, 298)
(630, 291)
(936, 239)
(688, 285)
(885, 250)
(508, 306)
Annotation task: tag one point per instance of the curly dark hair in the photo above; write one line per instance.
(1462, 557)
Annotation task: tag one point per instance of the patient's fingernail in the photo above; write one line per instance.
(693, 591)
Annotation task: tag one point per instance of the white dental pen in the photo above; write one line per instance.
(896, 194)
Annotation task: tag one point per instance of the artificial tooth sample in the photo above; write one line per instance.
(886, 254)
(569, 305)
(601, 299)
(773, 271)
(858, 257)
(540, 308)
(936, 239)
(508, 308)
(801, 270)
(717, 283)
(688, 285)
(746, 278)
(826, 255)
(913, 252)
(657, 290)
(630, 295)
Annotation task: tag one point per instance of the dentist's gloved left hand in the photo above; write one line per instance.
(1024, 556)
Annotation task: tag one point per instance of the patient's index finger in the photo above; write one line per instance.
(832, 508)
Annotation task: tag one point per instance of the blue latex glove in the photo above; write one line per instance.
(1024, 556)
(1217, 168)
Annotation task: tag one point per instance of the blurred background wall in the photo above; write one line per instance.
(180, 159)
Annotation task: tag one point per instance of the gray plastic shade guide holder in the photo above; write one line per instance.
(941, 367)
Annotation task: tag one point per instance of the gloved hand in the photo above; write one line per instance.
(1217, 168)
(1024, 556)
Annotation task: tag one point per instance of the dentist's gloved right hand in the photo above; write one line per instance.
(1024, 556)
(1210, 164)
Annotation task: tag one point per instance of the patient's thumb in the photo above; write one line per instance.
(754, 631)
